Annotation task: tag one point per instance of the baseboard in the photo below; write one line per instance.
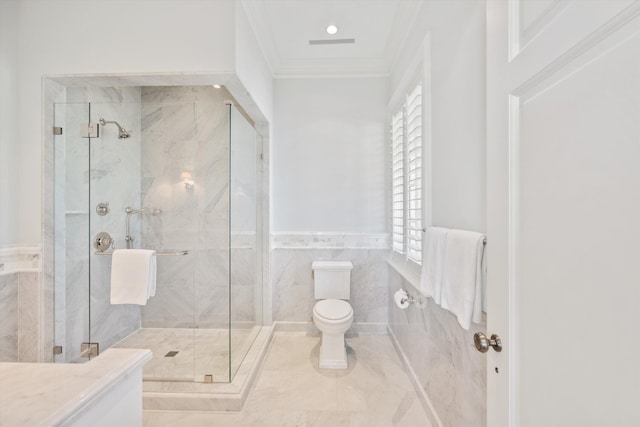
(422, 395)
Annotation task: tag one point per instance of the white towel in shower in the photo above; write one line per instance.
(435, 241)
(133, 276)
(463, 277)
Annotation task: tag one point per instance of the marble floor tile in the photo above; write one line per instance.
(292, 391)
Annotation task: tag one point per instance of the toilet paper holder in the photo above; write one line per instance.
(407, 298)
(403, 300)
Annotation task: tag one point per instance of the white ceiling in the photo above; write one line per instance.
(284, 28)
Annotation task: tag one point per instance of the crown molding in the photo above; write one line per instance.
(408, 11)
(257, 15)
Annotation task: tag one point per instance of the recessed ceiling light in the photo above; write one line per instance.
(217, 86)
(332, 29)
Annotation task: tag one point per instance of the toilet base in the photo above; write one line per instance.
(333, 353)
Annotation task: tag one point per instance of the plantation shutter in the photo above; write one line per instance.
(414, 174)
(397, 176)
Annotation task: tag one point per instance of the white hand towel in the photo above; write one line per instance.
(463, 278)
(435, 245)
(133, 276)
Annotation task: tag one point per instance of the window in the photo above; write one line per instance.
(406, 173)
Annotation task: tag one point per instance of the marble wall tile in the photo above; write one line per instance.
(441, 353)
(293, 296)
(186, 129)
(9, 323)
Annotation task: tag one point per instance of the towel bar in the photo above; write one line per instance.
(178, 253)
(484, 239)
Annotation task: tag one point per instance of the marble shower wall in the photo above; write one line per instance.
(186, 131)
(449, 368)
(104, 169)
(291, 260)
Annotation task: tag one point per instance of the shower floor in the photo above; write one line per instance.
(200, 352)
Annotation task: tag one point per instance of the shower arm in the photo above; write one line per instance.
(122, 132)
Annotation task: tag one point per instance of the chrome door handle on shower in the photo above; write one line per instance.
(483, 343)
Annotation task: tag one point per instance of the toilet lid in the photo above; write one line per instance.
(333, 309)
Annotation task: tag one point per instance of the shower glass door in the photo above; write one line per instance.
(71, 230)
(245, 310)
(176, 170)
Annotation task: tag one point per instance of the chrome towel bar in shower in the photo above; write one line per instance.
(178, 253)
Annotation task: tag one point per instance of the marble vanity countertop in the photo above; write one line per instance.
(47, 394)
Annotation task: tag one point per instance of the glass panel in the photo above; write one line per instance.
(115, 179)
(176, 183)
(148, 180)
(212, 262)
(71, 230)
(183, 185)
(245, 267)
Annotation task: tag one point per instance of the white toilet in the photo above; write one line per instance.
(332, 315)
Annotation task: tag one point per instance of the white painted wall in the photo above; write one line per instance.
(251, 66)
(457, 33)
(329, 155)
(458, 170)
(9, 147)
(106, 36)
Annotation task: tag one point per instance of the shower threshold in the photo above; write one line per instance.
(166, 388)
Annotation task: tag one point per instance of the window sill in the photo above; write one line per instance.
(410, 271)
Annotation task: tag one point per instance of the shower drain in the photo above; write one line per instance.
(171, 354)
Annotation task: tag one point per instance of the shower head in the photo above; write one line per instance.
(122, 133)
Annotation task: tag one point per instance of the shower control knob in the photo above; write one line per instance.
(103, 208)
(483, 343)
(103, 241)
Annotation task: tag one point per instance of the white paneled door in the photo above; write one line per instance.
(564, 212)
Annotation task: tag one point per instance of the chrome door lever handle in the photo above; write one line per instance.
(483, 343)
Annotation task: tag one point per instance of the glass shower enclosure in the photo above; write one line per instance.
(176, 170)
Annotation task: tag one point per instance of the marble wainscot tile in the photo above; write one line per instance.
(28, 317)
(447, 366)
(293, 293)
(20, 268)
(324, 240)
(9, 284)
(18, 258)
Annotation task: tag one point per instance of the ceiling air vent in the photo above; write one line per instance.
(332, 41)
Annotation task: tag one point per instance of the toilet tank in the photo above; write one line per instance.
(332, 279)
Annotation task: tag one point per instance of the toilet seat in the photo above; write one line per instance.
(333, 309)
